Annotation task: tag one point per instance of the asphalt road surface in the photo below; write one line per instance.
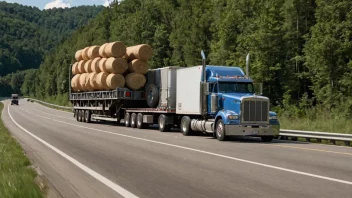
(107, 160)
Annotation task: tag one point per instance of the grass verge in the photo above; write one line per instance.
(323, 125)
(17, 178)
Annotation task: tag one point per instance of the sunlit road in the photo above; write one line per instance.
(107, 160)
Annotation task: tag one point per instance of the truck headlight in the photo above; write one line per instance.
(273, 117)
(233, 117)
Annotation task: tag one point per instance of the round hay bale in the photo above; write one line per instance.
(142, 52)
(102, 64)
(95, 65)
(81, 66)
(135, 81)
(102, 51)
(75, 68)
(138, 66)
(93, 81)
(125, 56)
(114, 81)
(75, 82)
(78, 55)
(93, 52)
(82, 82)
(115, 49)
(87, 66)
(116, 65)
(88, 84)
(85, 53)
(101, 80)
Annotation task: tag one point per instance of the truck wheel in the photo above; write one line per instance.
(134, 120)
(87, 116)
(140, 123)
(80, 115)
(220, 130)
(267, 138)
(77, 114)
(163, 127)
(127, 120)
(186, 126)
(152, 95)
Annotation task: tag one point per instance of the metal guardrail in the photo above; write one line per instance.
(49, 104)
(284, 133)
(308, 135)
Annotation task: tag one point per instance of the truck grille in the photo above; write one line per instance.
(255, 111)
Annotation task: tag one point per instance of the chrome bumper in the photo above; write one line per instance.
(238, 130)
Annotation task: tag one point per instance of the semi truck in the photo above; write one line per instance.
(219, 100)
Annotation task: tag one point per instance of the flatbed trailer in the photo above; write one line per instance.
(210, 99)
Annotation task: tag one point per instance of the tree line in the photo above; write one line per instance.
(28, 34)
(300, 49)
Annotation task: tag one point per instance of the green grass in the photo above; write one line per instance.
(17, 179)
(320, 124)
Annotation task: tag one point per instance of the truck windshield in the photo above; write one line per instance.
(236, 87)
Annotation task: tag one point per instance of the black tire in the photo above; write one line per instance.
(163, 127)
(186, 126)
(127, 120)
(77, 114)
(152, 95)
(134, 120)
(140, 123)
(220, 130)
(267, 138)
(87, 116)
(118, 118)
(80, 115)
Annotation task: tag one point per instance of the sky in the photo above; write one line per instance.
(47, 4)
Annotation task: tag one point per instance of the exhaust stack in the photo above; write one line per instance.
(247, 65)
(203, 64)
(204, 86)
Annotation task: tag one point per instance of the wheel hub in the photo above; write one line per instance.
(219, 130)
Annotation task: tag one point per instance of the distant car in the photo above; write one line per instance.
(14, 99)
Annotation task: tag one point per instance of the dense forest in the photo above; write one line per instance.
(301, 50)
(28, 34)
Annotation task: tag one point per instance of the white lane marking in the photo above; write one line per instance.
(209, 153)
(335, 146)
(293, 147)
(91, 172)
(50, 114)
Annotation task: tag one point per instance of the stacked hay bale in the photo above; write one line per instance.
(110, 66)
(137, 58)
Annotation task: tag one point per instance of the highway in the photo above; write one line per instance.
(107, 160)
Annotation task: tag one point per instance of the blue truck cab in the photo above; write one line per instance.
(235, 107)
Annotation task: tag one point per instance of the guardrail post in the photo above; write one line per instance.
(319, 140)
(333, 142)
(308, 139)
